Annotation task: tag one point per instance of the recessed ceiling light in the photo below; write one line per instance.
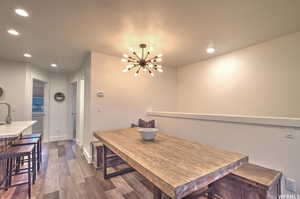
(210, 50)
(27, 55)
(21, 12)
(53, 65)
(13, 32)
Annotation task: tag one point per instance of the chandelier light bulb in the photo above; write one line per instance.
(125, 70)
(210, 50)
(160, 55)
(159, 66)
(136, 74)
(21, 12)
(152, 74)
(124, 60)
(27, 55)
(131, 50)
(125, 55)
(160, 70)
(159, 60)
(13, 32)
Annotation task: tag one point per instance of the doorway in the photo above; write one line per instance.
(38, 105)
(74, 110)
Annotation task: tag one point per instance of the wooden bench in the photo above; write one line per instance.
(248, 182)
(96, 153)
(97, 156)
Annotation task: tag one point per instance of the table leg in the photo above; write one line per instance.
(104, 154)
(156, 193)
(210, 192)
(99, 157)
(279, 189)
(105, 165)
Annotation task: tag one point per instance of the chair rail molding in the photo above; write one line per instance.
(284, 122)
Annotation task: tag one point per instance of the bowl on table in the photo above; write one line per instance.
(148, 134)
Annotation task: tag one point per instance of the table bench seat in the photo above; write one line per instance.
(97, 153)
(250, 181)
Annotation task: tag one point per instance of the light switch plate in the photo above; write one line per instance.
(100, 94)
(290, 184)
(289, 136)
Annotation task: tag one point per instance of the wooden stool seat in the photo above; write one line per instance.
(19, 150)
(34, 135)
(27, 141)
(13, 152)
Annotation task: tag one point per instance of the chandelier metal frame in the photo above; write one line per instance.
(142, 62)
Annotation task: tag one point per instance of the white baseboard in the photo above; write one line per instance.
(59, 138)
(87, 155)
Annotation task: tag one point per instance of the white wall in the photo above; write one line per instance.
(59, 111)
(13, 81)
(259, 80)
(125, 97)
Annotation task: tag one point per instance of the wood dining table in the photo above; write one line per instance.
(177, 167)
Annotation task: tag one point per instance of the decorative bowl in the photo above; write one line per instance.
(148, 134)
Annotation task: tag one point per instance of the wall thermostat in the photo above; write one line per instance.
(100, 94)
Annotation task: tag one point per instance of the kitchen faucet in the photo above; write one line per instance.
(8, 117)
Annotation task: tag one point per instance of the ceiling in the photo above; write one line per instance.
(63, 31)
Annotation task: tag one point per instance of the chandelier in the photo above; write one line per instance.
(142, 62)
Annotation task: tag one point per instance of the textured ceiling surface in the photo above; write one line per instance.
(63, 31)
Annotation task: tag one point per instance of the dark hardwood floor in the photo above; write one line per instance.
(65, 174)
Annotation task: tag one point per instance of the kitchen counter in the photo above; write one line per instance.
(15, 128)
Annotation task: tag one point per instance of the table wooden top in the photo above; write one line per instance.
(176, 166)
(262, 176)
(15, 128)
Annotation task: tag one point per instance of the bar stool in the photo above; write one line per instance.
(32, 141)
(39, 136)
(10, 156)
